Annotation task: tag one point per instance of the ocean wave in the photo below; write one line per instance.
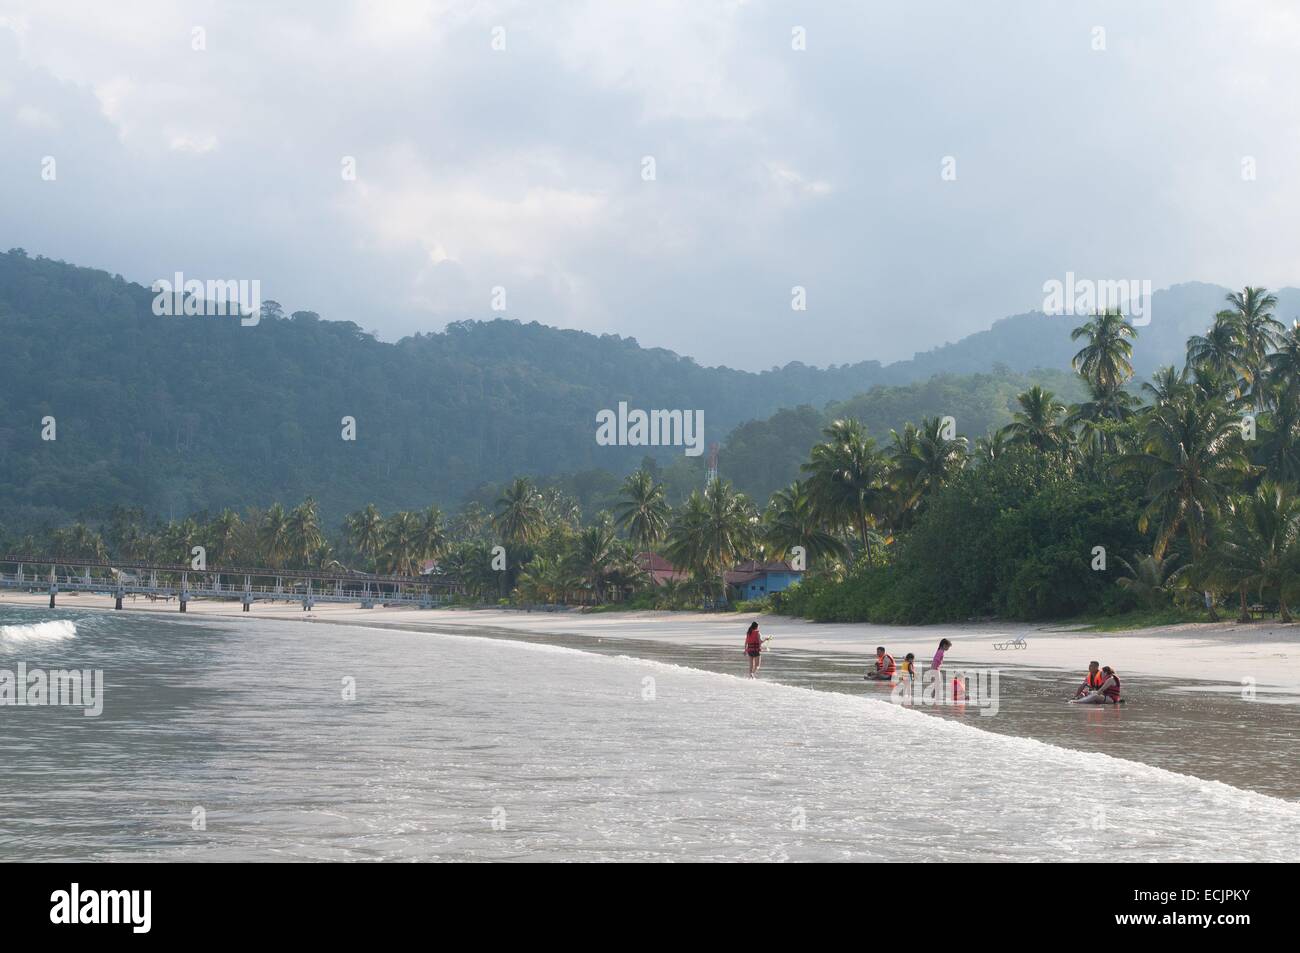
(56, 630)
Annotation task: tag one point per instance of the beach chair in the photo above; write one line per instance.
(1016, 643)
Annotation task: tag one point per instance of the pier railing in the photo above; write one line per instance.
(54, 574)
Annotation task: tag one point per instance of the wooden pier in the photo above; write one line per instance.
(54, 574)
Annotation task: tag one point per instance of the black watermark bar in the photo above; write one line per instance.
(134, 903)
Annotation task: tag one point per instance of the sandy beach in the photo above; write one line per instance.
(1226, 652)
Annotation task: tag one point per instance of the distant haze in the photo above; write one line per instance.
(523, 167)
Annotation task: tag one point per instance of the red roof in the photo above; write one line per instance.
(661, 570)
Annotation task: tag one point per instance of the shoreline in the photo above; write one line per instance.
(1226, 653)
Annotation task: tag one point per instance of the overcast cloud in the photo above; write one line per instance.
(775, 167)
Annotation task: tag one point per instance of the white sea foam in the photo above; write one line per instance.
(56, 630)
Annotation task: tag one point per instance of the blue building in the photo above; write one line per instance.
(754, 580)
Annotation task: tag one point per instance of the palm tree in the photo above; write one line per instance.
(990, 448)
(560, 509)
(1192, 455)
(431, 538)
(712, 532)
(1278, 445)
(273, 536)
(1038, 422)
(1252, 311)
(1221, 350)
(1284, 363)
(926, 461)
(470, 522)
(401, 544)
(1259, 545)
(79, 541)
(1106, 361)
(179, 539)
(223, 538)
(847, 481)
(1166, 384)
(791, 520)
(546, 579)
(592, 554)
(365, 531)
(643, 511)
(1096, 417)
(1151, 578)
(519, 517)
(304, 534)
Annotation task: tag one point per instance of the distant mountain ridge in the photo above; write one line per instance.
(180, 414)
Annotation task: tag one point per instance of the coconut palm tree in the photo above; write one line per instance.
(847, 479)
(273, 536)
(712, 532)
(1106, 361)
(1284, 363)
(546, 579)
(1193, 456)
(593, 553)
(471, 522)
(1258, 545)
(926, 460)
(519, 517)
(1252, 311)
(643, 511)
(223, 538)
(365, 532)
(1277, 446)
(1038, 423)
(1166, 384)
(1096, 417)
(988, 449)
(401, 544)
(791, 520)
(304, 533)
(431, 538)
(1150, 578)
(1221, 350)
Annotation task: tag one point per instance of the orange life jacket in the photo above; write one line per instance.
(1094, 679)
(885, 664)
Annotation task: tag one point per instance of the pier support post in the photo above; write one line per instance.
(117, 599)
(185, 597)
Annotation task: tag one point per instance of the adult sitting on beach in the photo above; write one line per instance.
(1107, 693)
(1091, 681)
(884, 670)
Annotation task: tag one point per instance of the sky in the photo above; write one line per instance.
(918, 169)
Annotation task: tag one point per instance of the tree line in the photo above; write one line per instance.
(1186, 485)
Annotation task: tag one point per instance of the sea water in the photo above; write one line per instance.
(266, 740)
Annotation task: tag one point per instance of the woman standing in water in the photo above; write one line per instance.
(754, 648)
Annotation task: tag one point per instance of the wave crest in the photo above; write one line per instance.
(55, 630)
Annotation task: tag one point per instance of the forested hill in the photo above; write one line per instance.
(180, 414)
(183, 414)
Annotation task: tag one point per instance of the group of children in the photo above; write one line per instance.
(1100, 686)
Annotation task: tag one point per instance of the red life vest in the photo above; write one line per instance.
(885, 664)
(753, 642)
(1094, 679)
(1113, 691)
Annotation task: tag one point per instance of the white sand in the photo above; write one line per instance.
(1267, 652)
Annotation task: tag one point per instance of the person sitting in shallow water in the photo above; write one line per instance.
(1091, 681)
(884, 668)
(1108, 693)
